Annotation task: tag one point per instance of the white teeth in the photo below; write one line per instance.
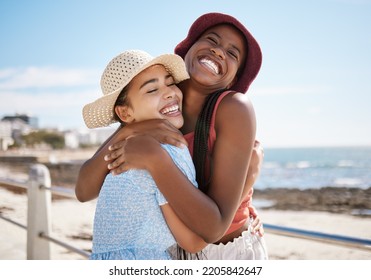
(170, 109)
(211, 64)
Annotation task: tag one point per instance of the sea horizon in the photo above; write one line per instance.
(315, 167)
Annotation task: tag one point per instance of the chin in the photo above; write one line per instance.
(177, 123)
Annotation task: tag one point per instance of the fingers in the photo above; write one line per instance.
(113, 156)
(116, 151)
(116, 158)
(261, 231)
(120, 169)
(166, 133)
(114, 164)
(179, 142)
(257, 227)
(256, 223)
(258, 147)
(256, 143)
(116, 146)
(253, 212)
(118, 166)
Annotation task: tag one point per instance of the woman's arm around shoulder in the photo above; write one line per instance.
(109, 157)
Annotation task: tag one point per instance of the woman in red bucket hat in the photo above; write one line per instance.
(223, 59)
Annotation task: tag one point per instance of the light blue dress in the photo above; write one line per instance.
(128, 222)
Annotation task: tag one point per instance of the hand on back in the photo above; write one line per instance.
(143, 140)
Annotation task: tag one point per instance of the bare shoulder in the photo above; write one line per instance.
(237, 103)
(235, 119)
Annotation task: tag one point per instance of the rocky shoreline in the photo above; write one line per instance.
(354, 201)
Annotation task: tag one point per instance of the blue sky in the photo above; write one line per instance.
(313, 89)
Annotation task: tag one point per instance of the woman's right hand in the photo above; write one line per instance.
(256, 161)
(161, 130)
(138, 152)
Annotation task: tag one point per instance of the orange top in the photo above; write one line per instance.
(242, 213)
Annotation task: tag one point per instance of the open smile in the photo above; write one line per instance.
(211, 64)
(169, 110)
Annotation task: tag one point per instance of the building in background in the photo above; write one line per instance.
(84, 138)
(28, 120)
(6, 138)
(13, 128)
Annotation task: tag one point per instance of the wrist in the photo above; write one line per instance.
(122, 133)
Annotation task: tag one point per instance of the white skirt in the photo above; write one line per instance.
(245, 247)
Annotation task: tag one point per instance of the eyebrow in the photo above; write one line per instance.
(154, 80)
(233, 46)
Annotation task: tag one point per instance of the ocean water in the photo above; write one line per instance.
(305, 168)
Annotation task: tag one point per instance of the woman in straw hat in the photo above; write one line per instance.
(223, 59)
(129, 219)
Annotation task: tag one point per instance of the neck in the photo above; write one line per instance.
(193, 100)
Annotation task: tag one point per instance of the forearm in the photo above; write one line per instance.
(199, 212)
(91, 177)
(185, 237)
(93, 172)
(254, 170)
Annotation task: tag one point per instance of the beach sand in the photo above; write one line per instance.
(72, 223)
(284, 247)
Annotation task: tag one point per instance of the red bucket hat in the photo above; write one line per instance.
(254, 55)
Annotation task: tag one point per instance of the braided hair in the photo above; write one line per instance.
(201, 153)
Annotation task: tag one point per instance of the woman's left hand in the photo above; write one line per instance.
(257, 225)
(136, 152)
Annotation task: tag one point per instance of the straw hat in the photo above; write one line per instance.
(254, 55)
(118, 74)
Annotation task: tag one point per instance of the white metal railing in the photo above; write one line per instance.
(336, 239)
(39, 192)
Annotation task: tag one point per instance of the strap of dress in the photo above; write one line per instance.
(220, 98)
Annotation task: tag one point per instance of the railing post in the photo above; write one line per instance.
(38, 216)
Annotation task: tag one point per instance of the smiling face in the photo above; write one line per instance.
(152, 94)
(215, 58)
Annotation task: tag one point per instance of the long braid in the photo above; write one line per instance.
(201, 153)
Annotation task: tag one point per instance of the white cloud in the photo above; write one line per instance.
(46, 100)
(4, 73)
(52, 108)
(314, 111)
(54, 95)
(290, 90)
(46, 77)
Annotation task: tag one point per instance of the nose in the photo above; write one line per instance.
(218, 52)
(169, 93)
